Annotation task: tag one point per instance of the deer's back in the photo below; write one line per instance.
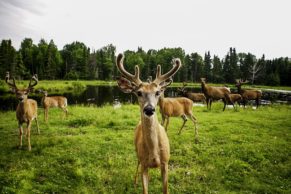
(251, 94)
(177, 106)
(55, 101)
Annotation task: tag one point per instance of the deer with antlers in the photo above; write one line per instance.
(26, 110)
(248, 94)
(215, 93)
(151, 140)
(53, 101)
(195, 97)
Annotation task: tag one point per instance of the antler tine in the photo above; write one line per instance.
(35, 78)
(160, 78)
(7, 78)
(133, 78)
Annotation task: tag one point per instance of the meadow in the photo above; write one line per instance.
(92, 151)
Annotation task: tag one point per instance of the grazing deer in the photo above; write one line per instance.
(26, 110)
(195, 97)
(177, 107)
(53, 101)
(215, 93)
(248, 94)
(151, 140)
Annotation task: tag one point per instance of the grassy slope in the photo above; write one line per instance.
(92, 151)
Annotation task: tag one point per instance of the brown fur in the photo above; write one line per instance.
(177, 107)
(215, 93)
(53, 101)
(249, 94)
(26, 110)
(151, 140)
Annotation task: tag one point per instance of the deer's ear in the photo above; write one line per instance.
(166, 83)
(125, 85)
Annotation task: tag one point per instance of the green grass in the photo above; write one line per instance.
(92, 151)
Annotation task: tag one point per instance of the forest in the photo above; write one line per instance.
(77, 61)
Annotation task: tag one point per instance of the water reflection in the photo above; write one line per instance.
(100, 95)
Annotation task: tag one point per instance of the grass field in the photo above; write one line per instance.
(92, 151)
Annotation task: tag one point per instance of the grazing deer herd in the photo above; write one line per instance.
(151, 140)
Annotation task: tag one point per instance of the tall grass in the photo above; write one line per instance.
(92, 151)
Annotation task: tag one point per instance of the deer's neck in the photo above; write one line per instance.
(150, 127)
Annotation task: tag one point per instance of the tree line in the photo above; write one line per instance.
(77, 61)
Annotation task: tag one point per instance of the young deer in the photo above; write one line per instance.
(53, 101)
(215, 93)
(177, 107)
(195, 97)
(248, 94)
(151, 141)
(26, 110)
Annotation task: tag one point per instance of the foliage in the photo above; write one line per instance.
(92, 151)
(76, 61)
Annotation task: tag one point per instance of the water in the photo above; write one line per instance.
(100, 95)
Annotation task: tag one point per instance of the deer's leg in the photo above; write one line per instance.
(184, 117)
(36, 121)
(20, 135)
(164, 172)
(194, 120)
(210, 103)
(163, 119)
(167, 122)
(136, 175)
(224, 101)
(28, 135)
(145, 179)
(257, 102)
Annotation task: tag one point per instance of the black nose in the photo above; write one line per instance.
(149, 110)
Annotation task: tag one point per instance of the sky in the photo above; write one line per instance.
(255, 26)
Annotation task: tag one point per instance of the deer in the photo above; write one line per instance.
(248, 94)
(195, 97)
(177, 107)
(53, 101)
(26, 110)
(151, 140)
(235, 98)
(215, 93)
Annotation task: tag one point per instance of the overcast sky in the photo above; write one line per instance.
(256, 26)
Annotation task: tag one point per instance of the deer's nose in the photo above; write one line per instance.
(149, 110)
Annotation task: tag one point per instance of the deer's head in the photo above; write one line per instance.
(21, 94)
(148, 93)
(240, 82)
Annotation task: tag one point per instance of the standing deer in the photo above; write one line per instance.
(26, 110)
(53, 101)
(195, 97)
(248, 94)
(177, 107)
(151, 140)
(215, 93)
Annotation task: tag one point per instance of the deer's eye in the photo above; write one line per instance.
(158, 93)
(139, 93)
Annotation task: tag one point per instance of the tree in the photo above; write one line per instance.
(207, 71)
(7, 57)
(217, 70)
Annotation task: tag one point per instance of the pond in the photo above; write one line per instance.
(101, 95)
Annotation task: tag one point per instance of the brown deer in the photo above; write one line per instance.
(151, 140)
(248, 94)
(26, 110)
(177, 107)
(215, 93)
(53, 101)
(195, 97)
(235, 98)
